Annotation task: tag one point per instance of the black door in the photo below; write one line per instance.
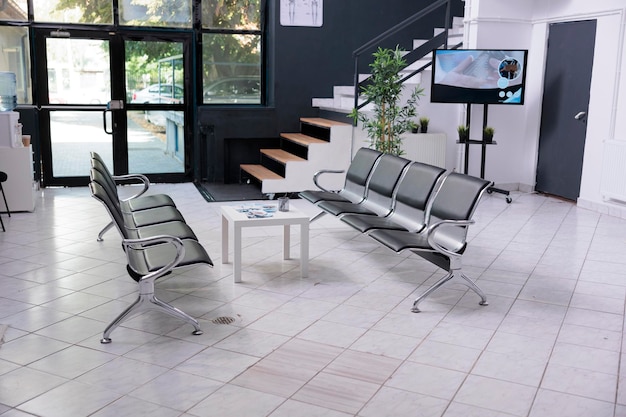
(123, 96)
(565, 104)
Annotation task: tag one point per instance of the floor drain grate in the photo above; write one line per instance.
(223, 320)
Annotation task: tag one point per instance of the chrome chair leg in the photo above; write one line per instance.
(430, 290)
(147, 300)
(472, 285)
(317, 216)
(450, 276)
(104, 230)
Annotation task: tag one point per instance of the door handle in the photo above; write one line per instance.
(104, 122)
(111, 105)
(580, 115)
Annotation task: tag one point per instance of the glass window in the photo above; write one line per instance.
(73, 11)
(78, 71)
(13, 10)
(152, 68)
(231, 14)
(15, 58)
(231, 69)
(162, 13)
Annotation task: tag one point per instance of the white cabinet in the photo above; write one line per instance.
(19, 187)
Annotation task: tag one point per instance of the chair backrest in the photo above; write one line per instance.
(382, 183)
(106, 182)
(359, 172)
(412, 195)
(456, 199)
(99, 193)
(110, 184)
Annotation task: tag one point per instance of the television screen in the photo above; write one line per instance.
(478, 76)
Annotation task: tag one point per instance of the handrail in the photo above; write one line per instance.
(412, 19)
(434, 43)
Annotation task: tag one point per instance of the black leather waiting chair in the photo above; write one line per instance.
(355, 183)
(125, 225)
(379, 192)
(150, 259)
(416, 186)
(140, 218)
(443, 242)
(152, 251)
(137, 201)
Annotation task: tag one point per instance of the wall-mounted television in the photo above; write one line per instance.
(481, 76)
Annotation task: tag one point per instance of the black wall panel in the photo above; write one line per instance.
(303, 63)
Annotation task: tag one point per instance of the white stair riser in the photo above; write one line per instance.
(336, 154)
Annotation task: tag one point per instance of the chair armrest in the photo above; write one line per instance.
(140, 244)
(129, 177)
(325, 171)
(432, 239)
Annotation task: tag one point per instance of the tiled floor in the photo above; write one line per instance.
(339, 343)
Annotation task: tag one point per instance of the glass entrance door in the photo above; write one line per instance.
(123, 98)
(76, 89)
(155, 81)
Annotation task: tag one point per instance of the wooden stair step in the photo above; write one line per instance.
(281, 156)
(301, 139)
(260, 172)
(318, 121)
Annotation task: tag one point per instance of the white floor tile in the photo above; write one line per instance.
(341, 342)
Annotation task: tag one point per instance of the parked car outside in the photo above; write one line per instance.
(159, 93)
(234, 90)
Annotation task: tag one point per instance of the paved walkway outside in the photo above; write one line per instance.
(75, 134)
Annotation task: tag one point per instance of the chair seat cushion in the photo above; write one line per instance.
(315, 196)
(337, 208)
(147, 202)
(364, 223)
(157, 256)
(155, 215)
(399, 240)
(177, 229)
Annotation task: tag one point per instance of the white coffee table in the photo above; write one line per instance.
(232, 218)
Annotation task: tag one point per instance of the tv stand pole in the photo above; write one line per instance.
(483, 153)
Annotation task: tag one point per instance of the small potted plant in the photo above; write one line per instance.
(463, 133)
(424, 124)
(488, 132)
(414, 127)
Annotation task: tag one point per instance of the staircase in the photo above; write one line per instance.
(320, 144)
(343, 99)
(326, 144)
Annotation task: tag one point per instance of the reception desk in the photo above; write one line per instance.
(19, 187)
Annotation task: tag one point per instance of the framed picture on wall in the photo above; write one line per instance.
(301, 13)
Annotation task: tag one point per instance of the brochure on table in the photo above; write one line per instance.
(257, 210)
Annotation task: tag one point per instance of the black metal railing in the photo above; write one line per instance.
(439, 40)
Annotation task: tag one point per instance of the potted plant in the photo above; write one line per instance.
(424, 124)
(488, 132)
(414, 127)
(389, 119)
(463, 133)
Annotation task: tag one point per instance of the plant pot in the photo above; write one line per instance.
(488, 138)
(463, 138)
(424, 129)
(415, 129)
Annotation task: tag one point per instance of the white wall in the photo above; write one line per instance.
(524, 24)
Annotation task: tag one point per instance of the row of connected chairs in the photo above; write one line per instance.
(407, 205)
(155, 239)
